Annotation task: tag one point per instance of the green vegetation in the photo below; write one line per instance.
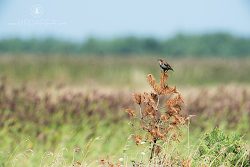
(121, 72)
(208, 45)
(216, 149)
(65, 111)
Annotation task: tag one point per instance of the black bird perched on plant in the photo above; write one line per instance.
(164, 65)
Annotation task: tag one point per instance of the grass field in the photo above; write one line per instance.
(69, 111)
(118, 71)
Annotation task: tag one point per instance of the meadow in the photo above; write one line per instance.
(70, 111)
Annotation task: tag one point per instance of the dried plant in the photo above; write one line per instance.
(159, 114)
(24, 104)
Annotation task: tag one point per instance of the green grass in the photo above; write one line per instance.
(69, 143)
(104, 139)
(35, 137)
(117, 71)
(217, 148)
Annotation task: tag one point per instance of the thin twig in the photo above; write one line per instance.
(158, 101)
(140, 112)
(153, 149)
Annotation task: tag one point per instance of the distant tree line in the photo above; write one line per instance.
(218, 44)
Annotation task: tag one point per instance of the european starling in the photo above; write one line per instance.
(164, 65)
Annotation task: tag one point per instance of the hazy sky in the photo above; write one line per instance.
(78, 19)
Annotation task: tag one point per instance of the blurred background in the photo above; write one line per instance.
(65, 66)
(100, 42)
(90, 40)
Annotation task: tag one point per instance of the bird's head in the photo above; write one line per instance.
(160, 61)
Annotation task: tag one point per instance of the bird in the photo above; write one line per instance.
(164, 65)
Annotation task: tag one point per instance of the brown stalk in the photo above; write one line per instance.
(155, 124)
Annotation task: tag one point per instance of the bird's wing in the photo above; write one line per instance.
(164, 65)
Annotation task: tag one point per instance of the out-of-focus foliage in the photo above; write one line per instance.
(121, 71)
(219, 44)
(34, 121)
(56, 111)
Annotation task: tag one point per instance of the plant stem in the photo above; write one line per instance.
(158, 100)
(141, 113)
(188, 137)
(153, 149)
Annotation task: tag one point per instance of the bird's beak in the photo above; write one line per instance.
(171, 69)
